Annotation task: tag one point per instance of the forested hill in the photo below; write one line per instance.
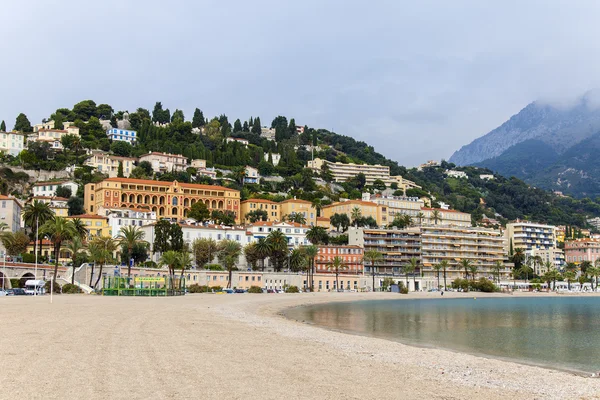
(200, 137)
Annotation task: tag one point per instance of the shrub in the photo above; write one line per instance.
(484, 285)
(213, 267)
(216, 288)
(150, 264)
(403, 289)
(291, 289)
(459, 283)
(15, 283)
(257, 289)
(47, 287)
(69, 288)
(195, 288)
(387, 283)
(28, 258)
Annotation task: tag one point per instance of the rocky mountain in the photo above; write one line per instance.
(558, 127)
(549, 147)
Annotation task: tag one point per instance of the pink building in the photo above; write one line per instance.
(579, 250)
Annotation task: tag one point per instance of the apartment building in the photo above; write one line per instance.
(397, 247)
(351, 256)
(481, 246)
(456, 174)
(121, 135)
(167, 199)
(48, 189)
(12, 142)
(446, 217)
(556, 257)
(579, 250)
(295, 233)
(396, 205)
(122, 217)
(342, 172)
(198, 164)
(251, 175)
(58, 205)
(272, 208)
(530, 236)
(367, 209)
(267, 133)
(165, 162)
(243, 142)
(10, 213)
(53, 136)
(96, 225)
(298, 206)
(109, 164)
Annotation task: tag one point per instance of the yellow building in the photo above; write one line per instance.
(367, 209)
(297, 206)
(95, 224)
(58, 205)
(272, 208)
(446, 217)
(167, 199)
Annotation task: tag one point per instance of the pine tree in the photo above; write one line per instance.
(256, 126)
(22, 124)
(245, 128)
(251, 122)
(292, 128)
(3, 126)
(198, 119)
(237, 126)
(120, 170)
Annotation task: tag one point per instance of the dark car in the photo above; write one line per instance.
(19, 292)
(239, 291)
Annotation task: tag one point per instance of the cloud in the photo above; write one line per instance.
(416, 79)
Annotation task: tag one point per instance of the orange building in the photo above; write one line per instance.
(352, 259)
(270, 207)
(167, 199)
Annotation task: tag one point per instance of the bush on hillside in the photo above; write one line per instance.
(256, 289)
(70, 289)
(459, 283)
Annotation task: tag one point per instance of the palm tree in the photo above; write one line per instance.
(278, 245)
(75, 246)
(263, 249)
(14, 243)
(80, 229)
(410, 268)
(466, 266)
(131, 236)
(525, 269)
(101, 251)
(317, 235)
(537, 262)
(229, 252)
(569, 276)
(437, 268)
(185, 260)
(297, 260)
(36, 214)
(335, 265)
(356, 215)
(59, 229)
(420, 217)
(298, 218)
(414, 265)
(518, 257)
(593, 273)
(310, 252)
(436, 216)
(473, 270)
(445, 265)
(496, 270)
(318, 205)
(372, 256)
(171, 259)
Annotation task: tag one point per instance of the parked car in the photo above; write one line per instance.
(228, 291)
(10, 292)
(19, 292)
(2, 293)
(240, 291)
(271, 291)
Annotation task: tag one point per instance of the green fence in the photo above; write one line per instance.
(143, 286)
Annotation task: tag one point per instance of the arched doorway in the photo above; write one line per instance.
(26, 277)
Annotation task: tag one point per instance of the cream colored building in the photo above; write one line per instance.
(58, 205)
(530, 236)
(48, 189)
(295, 206)
(272, 208)
(367, 209)
(198, 164)
(54, 136)
(10, 213)
(96, 225)
(12, 142)
(446, 217)
(397, 205)
(165, 162)
(109, 164)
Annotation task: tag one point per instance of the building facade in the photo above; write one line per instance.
(109, 164)
(121, 135)
(298, 206)
(351, 256)
(54, 136)
(270, 207)
(58, 205)
(122, 217)
(96, 225)
(10, 213)
(251, 175)
(579, 250)
(164, 162)
(295, 233)
(12, 142)
(530, 236)
(366, 208)
(48, 189)
(171, 200)
(446, 217)
(397, 205)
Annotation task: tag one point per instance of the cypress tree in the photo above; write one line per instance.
(198, 119)
(120, 170)
(256, 126)
(245, 128)
(3, 126)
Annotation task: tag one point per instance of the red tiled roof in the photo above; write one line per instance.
(155, 153)
(364, 203)
(49, 198)
(441, 210)
(272, 223)
(258, 201)
(165, 183)
(87, 216)
(296, 201)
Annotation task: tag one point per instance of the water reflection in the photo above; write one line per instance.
(557, 332)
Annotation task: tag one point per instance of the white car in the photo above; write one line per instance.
(3, 293)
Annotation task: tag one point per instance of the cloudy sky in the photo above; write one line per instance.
(416, 79)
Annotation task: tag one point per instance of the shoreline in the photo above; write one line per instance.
(240, 346)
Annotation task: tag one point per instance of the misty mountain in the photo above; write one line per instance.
(558, 127)
(549, 147)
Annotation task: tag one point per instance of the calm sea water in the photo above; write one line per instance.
(557, 332)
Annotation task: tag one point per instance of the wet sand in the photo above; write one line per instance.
(238, 346)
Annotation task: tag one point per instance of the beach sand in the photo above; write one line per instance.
(238, 346)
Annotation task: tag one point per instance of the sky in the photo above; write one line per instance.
(415, 79)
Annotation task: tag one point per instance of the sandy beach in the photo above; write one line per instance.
(238, 346)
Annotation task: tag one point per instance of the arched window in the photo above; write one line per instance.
(131, 198)
(124, 198)
(174, 201)
(174, 211)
